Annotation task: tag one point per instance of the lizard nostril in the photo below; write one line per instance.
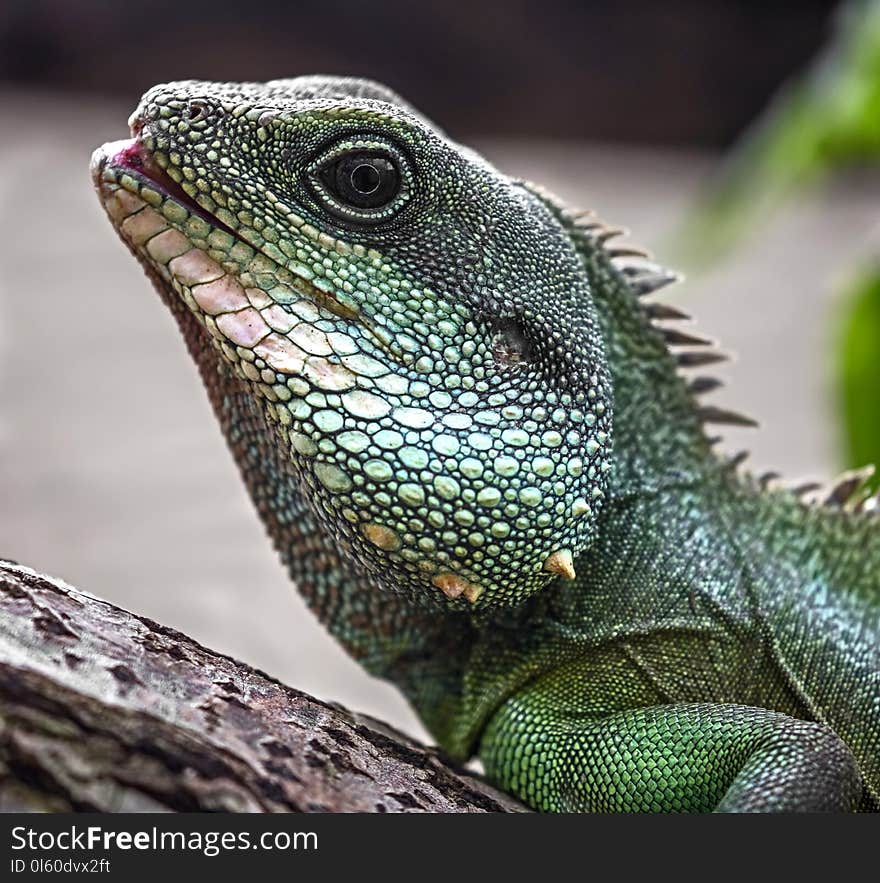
(196, 111)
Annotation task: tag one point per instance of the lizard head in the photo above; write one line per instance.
(414, 324)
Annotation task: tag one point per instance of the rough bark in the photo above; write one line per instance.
(104, 710)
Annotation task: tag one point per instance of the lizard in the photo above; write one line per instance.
(478, 444)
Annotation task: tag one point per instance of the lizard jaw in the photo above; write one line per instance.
(130, 156)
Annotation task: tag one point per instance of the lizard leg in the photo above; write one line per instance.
(668, 758)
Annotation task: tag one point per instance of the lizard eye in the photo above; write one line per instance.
(361, 182)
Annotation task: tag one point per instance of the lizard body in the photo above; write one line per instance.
(469, 440)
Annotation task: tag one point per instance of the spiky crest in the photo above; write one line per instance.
(646, 278)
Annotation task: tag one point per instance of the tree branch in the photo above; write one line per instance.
(104, 710)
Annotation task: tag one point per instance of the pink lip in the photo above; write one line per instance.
(134, 158)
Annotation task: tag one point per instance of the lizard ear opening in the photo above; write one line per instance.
(510, 345)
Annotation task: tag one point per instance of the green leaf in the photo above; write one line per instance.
(827, 119)
(858, 372)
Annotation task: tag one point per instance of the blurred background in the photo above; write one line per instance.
(737, 140)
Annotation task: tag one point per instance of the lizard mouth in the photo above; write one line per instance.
(131, 157)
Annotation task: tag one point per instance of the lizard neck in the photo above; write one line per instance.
(658, 431)
(661, 450)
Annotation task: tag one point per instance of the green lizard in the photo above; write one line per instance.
(468, 436)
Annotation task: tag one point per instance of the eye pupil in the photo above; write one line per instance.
(360, 182)
(366, 178)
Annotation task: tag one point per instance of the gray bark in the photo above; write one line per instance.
(104, 710)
